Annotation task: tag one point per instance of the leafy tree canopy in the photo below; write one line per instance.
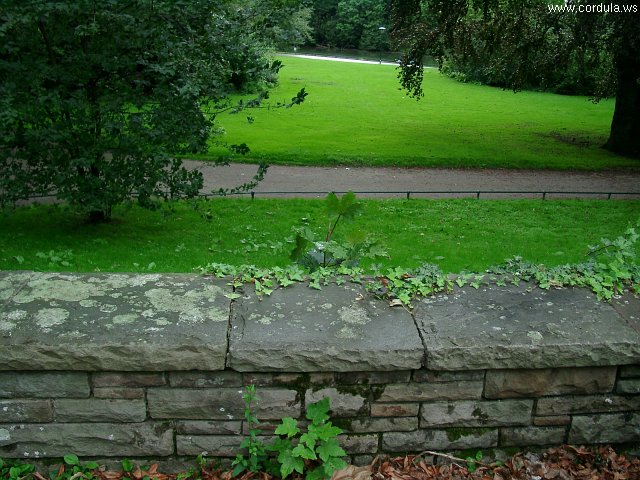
(524, 41)
(97, 96)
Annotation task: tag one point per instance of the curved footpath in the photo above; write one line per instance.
(296, 181)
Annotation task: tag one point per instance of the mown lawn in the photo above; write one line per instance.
(462, 234)
(355, 114)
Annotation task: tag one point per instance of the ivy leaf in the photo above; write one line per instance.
(288, 427)
(289, 463)
(71, 459)
(330, 448)
(309, 438)
(318, 412)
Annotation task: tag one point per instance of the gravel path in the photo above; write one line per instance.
(298, 180)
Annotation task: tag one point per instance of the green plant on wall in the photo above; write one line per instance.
(314, 453)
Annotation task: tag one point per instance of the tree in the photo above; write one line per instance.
(528, 39)
(97, 97)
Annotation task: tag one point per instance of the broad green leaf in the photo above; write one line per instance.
(288, 427)
(318, 412)
(289, 463)
(303, 452)
(330, 448)
(71, 459)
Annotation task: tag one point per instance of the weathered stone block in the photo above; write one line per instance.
(202, 427)
(128, 379)
(549, 381)
(342, 404)
(109, 440)
(586, 404)
(119, 392)
(532, 436)
(605, 428)
(214, 445)
(630, 386)
(10, 284)
(425, 392)
(116, 322)
(395, 409)
(44, 384)
(340, 329)
(205, 379)
(359, 444)
(630, 371)
(392, 424)
(420, 440)
(476, 413)
(556, 420)
(100, 410)
(436, 376)
(362, 460)
(508, 327)
(272, 379)
(372, 378)
(25, 411)
(219, 404)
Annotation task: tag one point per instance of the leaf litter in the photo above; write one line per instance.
(560, 463)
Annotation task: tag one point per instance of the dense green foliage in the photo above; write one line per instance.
(351, 23)
(96, 97)
(521, 42)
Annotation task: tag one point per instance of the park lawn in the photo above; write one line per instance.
(355, 114)
(457, 235)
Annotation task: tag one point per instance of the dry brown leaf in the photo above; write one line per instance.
(352, 473)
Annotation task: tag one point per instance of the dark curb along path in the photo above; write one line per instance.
(57, 321)
(294, 181)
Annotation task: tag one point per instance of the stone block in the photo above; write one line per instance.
(552, 421)
(119, 392)
(26, 411)
(116, 322)
(605, 428)
(342, 404)
(109, 440)
(337, 329)
(205, 379)
(128, 379)
(44, 384)
(219, 404)
(391, 424)
(359, 444)
(10, 283)
(420, 440)
(100, 410)
(476, 413)
(395, 409)
(213, 427)
(629, 386)
(372, 378)
(425, 392)
(274, 379)
(510, 327)
(213, 445)
(436, 376)
(362, 460)
(630, 371)
(549, 381)
(532, 436)
(586, 404)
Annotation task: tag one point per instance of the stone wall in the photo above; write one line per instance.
(154, 366)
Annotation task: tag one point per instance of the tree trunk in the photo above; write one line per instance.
(625, 127)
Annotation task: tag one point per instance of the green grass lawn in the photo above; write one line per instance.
(355, 114)
(463, 234)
